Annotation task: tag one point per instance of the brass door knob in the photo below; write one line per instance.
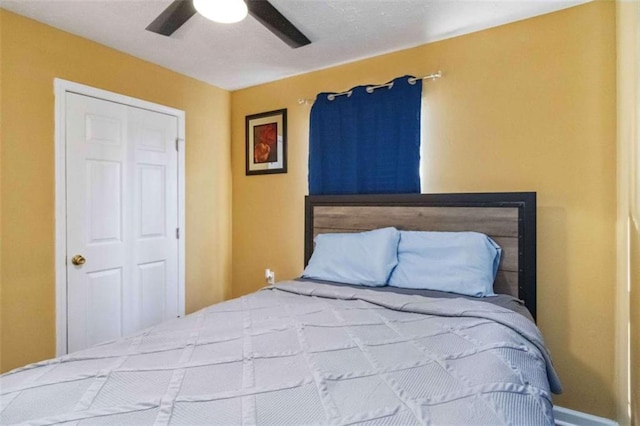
(78, 260)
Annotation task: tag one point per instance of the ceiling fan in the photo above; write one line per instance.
(180, 11)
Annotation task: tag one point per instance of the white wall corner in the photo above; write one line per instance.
(567, 417)
(627, 26)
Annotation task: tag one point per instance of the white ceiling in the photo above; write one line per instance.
(234, 56)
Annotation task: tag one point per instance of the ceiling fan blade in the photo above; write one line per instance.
(275, 22)
(172, 18)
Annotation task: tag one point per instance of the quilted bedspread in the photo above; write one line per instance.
(302, 353)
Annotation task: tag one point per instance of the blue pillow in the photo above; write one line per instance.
(364, 258)
(455, 262)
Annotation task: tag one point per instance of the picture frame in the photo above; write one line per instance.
(266, 142)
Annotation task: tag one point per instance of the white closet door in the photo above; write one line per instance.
(121, 190)
(154, 169)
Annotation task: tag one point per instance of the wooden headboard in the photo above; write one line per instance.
(509, 218)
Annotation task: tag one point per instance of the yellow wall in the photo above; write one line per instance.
(34, 54)
(634, 258)
(525, 106)
(1, 149)
(628, 304)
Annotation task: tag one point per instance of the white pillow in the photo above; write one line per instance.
(364, 258)
(456, 262)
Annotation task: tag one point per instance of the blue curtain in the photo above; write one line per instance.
(366, 143)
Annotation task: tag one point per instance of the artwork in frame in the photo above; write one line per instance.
(266, 142)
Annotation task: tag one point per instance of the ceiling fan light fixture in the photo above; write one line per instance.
(222, 11)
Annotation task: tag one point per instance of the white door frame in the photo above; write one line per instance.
(61, 88)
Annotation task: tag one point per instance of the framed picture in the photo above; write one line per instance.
(266, 142)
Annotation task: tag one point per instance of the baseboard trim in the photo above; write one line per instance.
(567, 417)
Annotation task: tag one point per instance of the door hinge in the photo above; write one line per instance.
(177, 144)
(178, 233)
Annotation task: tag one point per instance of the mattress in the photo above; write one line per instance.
(303, 352)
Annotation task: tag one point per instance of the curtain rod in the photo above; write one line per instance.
(370, 89)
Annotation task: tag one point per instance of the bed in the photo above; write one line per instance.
(316, 352)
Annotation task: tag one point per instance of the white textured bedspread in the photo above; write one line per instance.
(302, 353)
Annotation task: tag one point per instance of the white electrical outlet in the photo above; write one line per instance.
(270, 276)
